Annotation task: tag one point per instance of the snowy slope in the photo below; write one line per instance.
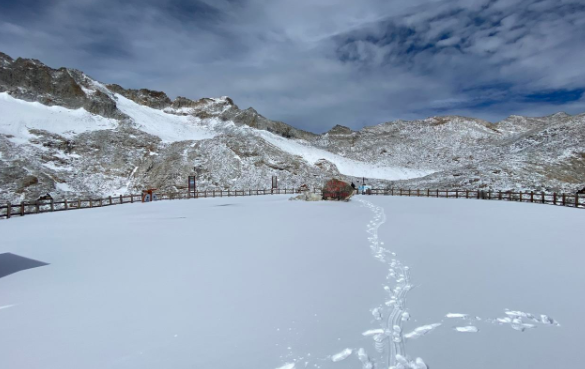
(168, 127)
(345, 166)
(164, 285)
(18, 116)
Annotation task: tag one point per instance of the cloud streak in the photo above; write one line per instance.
(317, 64)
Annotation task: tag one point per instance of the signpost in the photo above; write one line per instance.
(192, 186)
(274, 182)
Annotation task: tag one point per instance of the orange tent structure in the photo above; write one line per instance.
(149, 195)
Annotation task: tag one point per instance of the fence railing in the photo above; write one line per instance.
(559, 199)
(37, 207)
(46, 206)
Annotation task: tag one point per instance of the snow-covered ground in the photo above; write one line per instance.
(169, 127)
(18, 116)
(263, 282)
(345, 166)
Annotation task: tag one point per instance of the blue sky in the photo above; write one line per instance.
(315, 64)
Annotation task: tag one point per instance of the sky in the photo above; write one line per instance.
(314, 64)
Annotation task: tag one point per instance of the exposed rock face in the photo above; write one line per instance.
(340, 130)
(183, 102)
(152, 99)
(251, 118)
(31, 80)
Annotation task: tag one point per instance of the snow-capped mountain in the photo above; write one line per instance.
(64, 133)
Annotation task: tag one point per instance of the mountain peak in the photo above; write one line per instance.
(339, 129)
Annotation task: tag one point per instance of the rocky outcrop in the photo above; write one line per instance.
(31, 80)
(251, 118)
(340, 130)
(150, 98)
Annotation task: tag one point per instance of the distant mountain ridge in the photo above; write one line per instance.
(65, 133)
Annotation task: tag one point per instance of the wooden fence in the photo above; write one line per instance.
(561, 199)
(25, 208)
(37, 207)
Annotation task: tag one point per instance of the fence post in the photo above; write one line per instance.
(543, 197)
(131, 198)
(489, 194)
(121, 199)
(576, 200)
(90, 203)
(22, 208)
(437, 193)
(499, 195)
(554, 198)
(66, 205)
(52, 205)
(521, 196)
(466, 194)
(78, 204)
(110, 198)
(8, 210)
(456, 194)
(37, 209)
(409, 192)
(564, 202)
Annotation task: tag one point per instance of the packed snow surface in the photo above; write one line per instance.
(345, 166)
(18, 116)
(169, 127)
(263, 282)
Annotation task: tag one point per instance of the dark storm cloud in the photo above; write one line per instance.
(317, 64)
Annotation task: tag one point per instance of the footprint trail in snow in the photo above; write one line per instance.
(389, 338)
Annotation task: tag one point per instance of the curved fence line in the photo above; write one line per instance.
(37, 207)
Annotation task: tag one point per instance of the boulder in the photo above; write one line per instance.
(335, 189)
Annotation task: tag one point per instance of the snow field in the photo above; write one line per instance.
(168, 127)
(263, 282)
(18, 116)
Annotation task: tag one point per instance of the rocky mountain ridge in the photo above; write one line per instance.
(65, 133)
